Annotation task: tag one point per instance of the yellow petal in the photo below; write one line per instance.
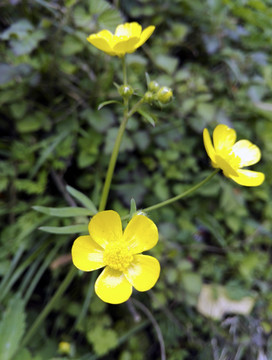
(112, 286)
(248, 178)
(129, 29)
(223, 137)
(226, 166)
(87, 255)
(126, 45)
(141, 234)
(143, 272)
(208, 146)
(102, 41)
(135, 29)
(105, 227)
(248, 153)
(146, 35)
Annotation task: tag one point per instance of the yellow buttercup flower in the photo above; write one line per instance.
(231, 156)
(120, 253)
(126, 39)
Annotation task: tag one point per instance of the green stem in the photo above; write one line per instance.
(135, 107)
(114, 155)
(115, 152)
(180, 196)
(112, 163)
(66, 282)
(69, 277)
(124, 65)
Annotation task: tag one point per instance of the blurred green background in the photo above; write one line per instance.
(216, 56)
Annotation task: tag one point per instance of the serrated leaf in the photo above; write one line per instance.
(109, 19)
(105, 103)
(72, 229)
(147, 116)
(64, 212)
(12, 328)
(99, 6)
(83, 199)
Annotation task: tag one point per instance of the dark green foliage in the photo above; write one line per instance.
(216, 56)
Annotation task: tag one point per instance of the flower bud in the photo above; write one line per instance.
(125, 91)
(64, 348)
(153, 86)
(149, 97)
(164, 95)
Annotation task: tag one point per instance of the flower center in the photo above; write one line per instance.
(117, 255)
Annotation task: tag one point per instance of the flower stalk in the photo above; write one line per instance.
(116, 148)
(182, 195)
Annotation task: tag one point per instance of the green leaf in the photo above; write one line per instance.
(167, 63)
(27, 44)
(47, 152)
(25, 354)
(102, 339)
(147, 78)
(147, 116)
(32, 122)
(72, 229)
(83, 199)
(214, 227)
(133, 207)
(12, 328)
(104, 103)
(71, 45)
(192, 282)
(19, 30)
(64, 212)
(109, 19)
(99, 6)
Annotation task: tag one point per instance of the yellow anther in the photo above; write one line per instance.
(117, 256)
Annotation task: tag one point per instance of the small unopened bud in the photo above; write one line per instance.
(125, 91)
(64, 348)
(148, 97)
(153, 86)
(164, 95)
